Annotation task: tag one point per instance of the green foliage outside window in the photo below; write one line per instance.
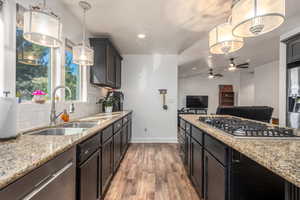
(72, 76)
(32, 67)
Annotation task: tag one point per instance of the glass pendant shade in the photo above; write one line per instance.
(83, 55)
(42, 28)
(221, 40)
(255, 17)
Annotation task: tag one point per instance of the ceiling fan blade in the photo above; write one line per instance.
(218, 75)
(243, 65)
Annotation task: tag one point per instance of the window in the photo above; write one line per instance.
(33, 64)
(72, 73)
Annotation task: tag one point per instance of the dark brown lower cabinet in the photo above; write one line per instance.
(89, 178)
(107, 163)
(187, 156)
(197, 166)
(117, 149)
(124, 139)
(214, 178)
(55, 179)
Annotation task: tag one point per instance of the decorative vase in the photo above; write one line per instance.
(39, 97)
(108, 109)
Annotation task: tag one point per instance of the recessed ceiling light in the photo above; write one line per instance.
(194, 68)
(141, 36)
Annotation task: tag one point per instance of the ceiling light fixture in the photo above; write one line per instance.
(256, 17)
(42, 26)
(194, 68)
(232, 67)
(141, 36)
(221, 40)
(83, 55)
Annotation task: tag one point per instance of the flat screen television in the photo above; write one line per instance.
(196, 102)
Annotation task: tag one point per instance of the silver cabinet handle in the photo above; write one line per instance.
(53, 177)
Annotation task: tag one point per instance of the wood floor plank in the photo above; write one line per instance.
(151, 172)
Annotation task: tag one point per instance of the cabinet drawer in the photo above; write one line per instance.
(26, 184)
(88, 147)
(197, 134)
(216, 148)
(107, 133)
(117, 125)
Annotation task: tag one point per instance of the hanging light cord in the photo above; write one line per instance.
(84, 28)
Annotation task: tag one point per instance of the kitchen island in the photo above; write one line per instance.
(280, 156)
(20, 157)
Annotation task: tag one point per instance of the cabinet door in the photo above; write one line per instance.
(107, 166)
(125, 139)
(111, 66)
(293, 50)
(118, 71)
(187, 156)
(214, 178)
(197, 166)
(89, 178)
(98, 72)
(129, 131)
(117, 149)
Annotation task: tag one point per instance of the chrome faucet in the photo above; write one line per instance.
(53, 115)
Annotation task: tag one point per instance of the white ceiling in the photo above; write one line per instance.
(170, 25)
(259, 50)
(178, 26)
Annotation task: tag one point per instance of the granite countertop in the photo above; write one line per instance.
(282, 156)
(27, 152)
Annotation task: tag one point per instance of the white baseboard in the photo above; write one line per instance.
(154, 140)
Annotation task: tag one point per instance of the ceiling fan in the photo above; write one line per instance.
(233, 66)
(212, 75)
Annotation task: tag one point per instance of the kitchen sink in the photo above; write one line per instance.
(83, 124)
(60, 131)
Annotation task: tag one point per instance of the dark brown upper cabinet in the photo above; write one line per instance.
(293, 49)
(106, 71)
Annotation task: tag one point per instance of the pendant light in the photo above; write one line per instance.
(221, 40)
(83, 55)
(42, 26)
(256, 17)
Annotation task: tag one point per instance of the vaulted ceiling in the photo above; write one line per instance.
(170, 25)
(178, 27)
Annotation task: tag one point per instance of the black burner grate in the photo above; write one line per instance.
(247, 128)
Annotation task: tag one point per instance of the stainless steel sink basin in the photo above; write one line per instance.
(83, 124)
(60, 131)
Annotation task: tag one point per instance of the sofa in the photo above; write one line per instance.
(259, 113)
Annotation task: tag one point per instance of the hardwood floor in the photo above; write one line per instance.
(151, 172)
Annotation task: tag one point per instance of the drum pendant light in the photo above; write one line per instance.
(42, 26)
(83, 55)
(221, 40)
(256, 17)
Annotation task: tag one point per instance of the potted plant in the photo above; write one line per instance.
(39, 97)
(108, 103)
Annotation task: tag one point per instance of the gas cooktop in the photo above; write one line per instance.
(247, 128)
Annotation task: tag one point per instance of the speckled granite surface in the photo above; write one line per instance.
(281, 156)
(20, 156)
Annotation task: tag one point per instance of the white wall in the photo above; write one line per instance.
(142, 76)
(32, 115)
(266, 82)
(247, 89)
(199, 85)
